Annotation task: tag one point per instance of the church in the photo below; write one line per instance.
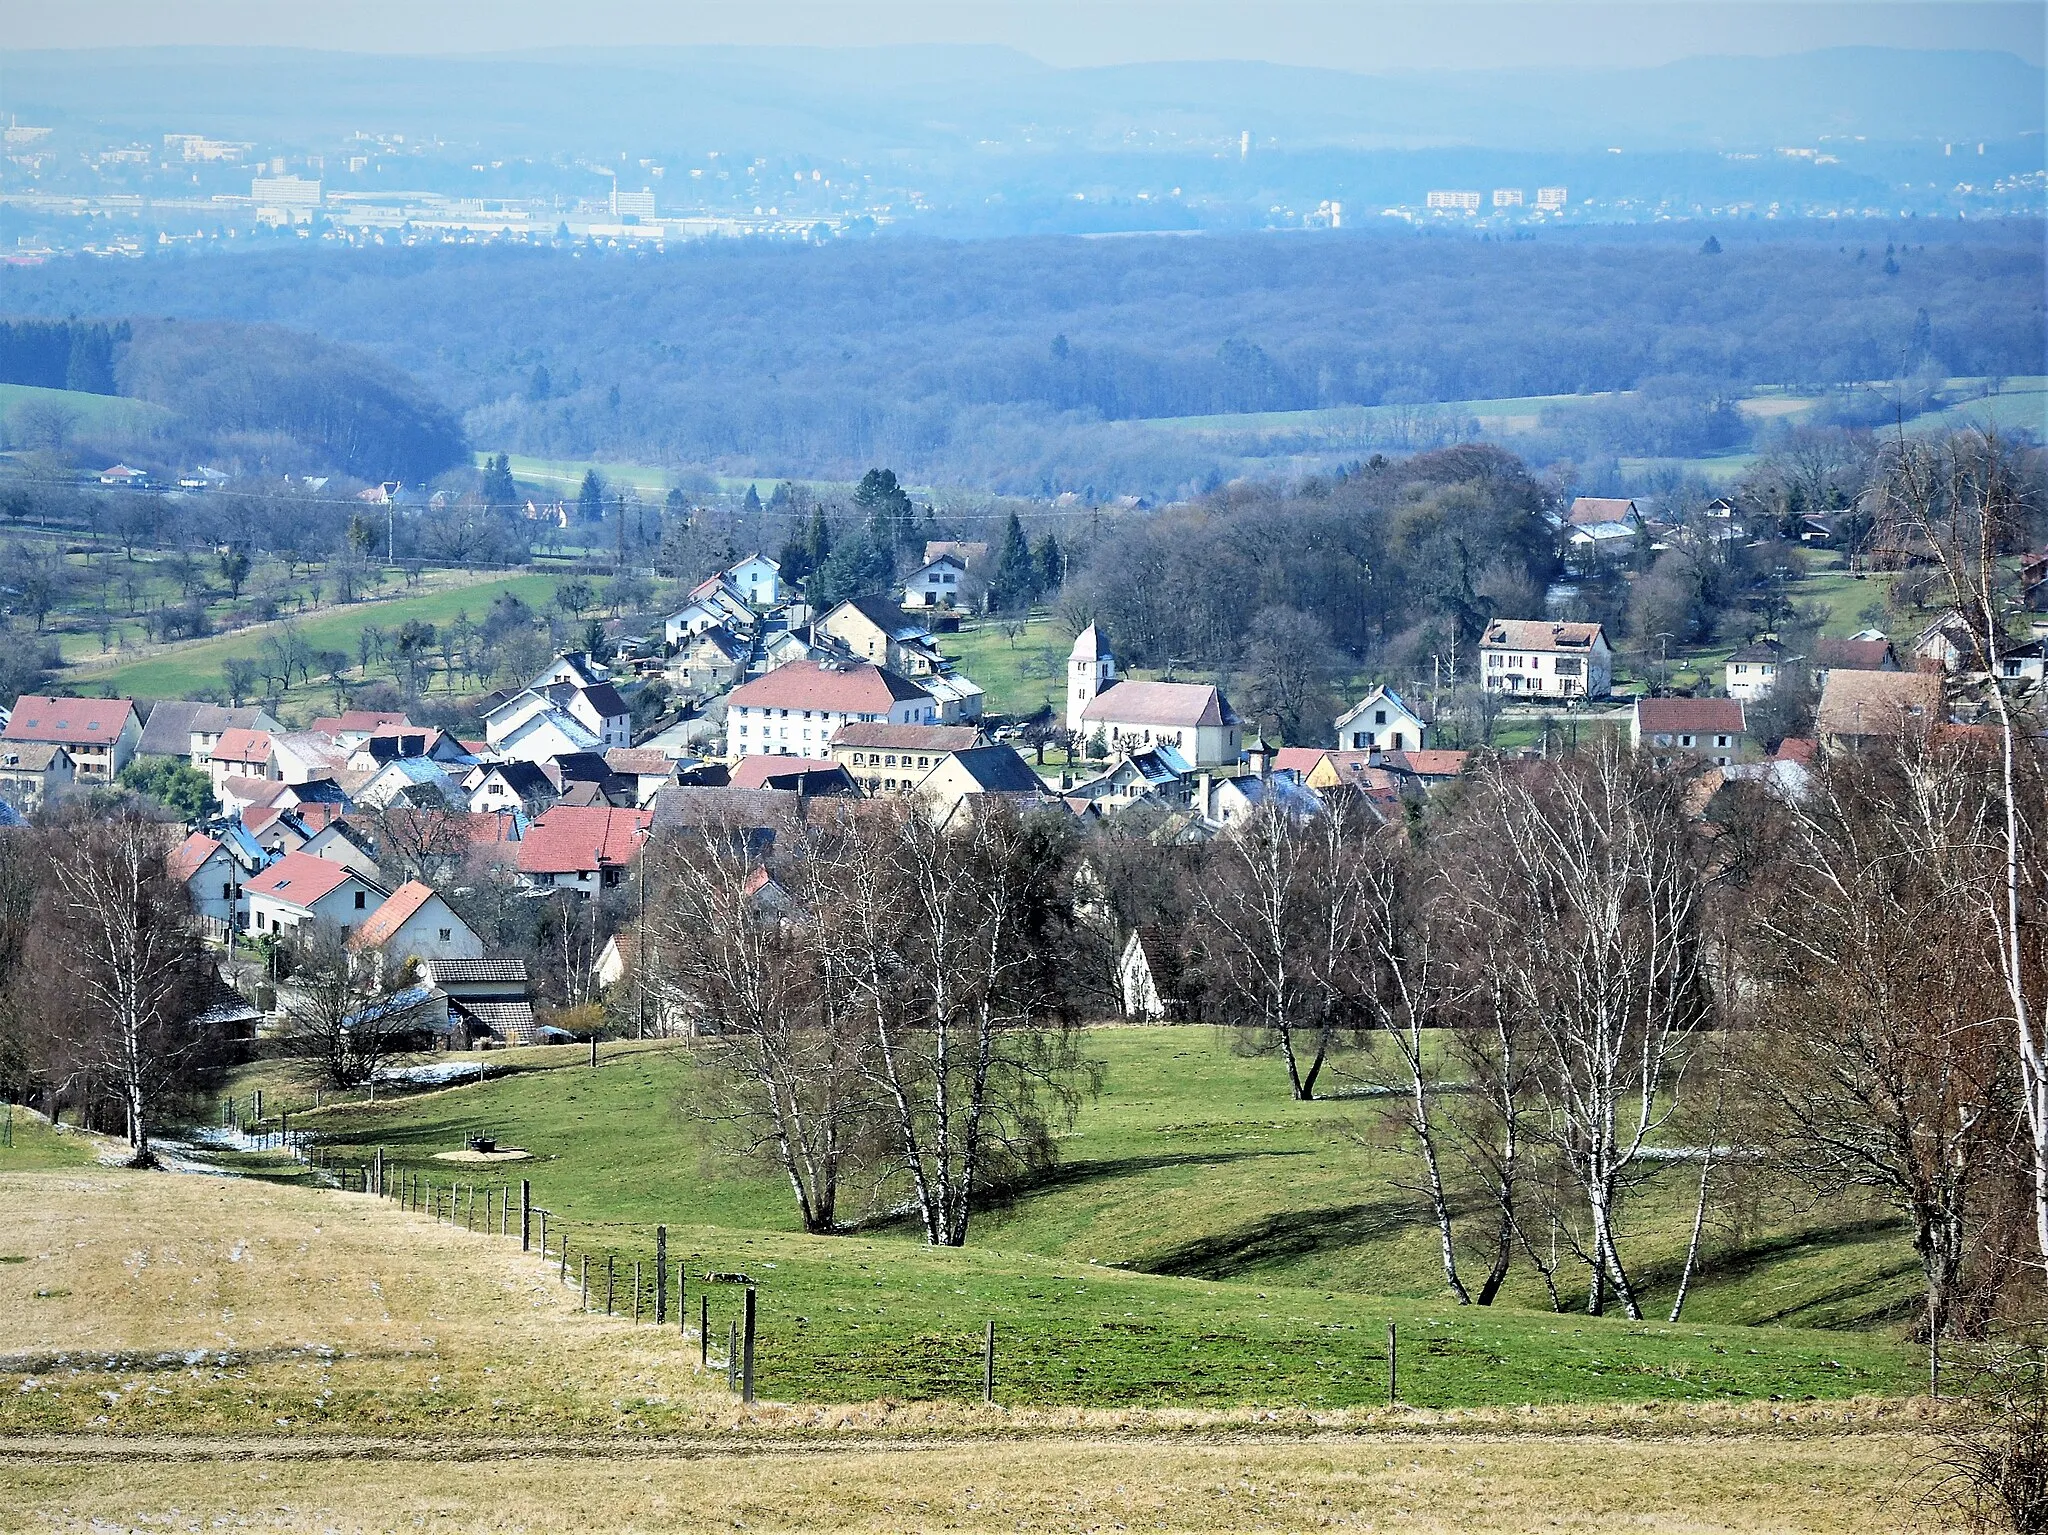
(1194, 718)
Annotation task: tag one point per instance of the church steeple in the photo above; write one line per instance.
(1090, 670)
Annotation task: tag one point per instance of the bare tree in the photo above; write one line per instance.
(344, 1009)
(1598, 870)
(1961, 500)
(1280, 942)
(783, 1043)
(953, 944)
(1880, 1061)
(118, 981)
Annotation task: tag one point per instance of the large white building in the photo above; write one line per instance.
(795, 709)
(1538, 658)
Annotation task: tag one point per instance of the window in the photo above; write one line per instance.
(361, 899)
(1685, 740)
(447, 933)
(1379, 716)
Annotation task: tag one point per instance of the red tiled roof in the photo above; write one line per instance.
(856, 689)
(913, 738)
(1587, 510)
(300, 878)
(1694, 716)
(1160, 703)
(365, 720)
(190, 856)
(1852, 655)
(1797, 749)
(754, 772)
(1431, 763)
(68, 721)
(397, 910)
(243, 746)
(571, 838)
(1299, 759)
(253, 791)
(1539, 634)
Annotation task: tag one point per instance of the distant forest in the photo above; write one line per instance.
(254, 398)
(1022, 365)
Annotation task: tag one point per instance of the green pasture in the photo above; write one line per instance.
(1018, 675)
(93, 412)
(185, 667)
(1204, 1238)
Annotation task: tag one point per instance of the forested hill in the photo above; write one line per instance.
(989, 363)
(260, 398)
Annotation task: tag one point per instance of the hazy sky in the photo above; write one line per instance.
(1349, 34)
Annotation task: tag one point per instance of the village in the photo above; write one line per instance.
(366, 826)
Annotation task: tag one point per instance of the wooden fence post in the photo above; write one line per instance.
(586, 1282)
(704, 1332)
(562, 1273)
(660, 1275)
(747, 1366)
(525, 1220)
(380, 1172)
(259, 1108)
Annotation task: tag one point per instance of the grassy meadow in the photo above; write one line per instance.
(1204, 1240)
(92, 414)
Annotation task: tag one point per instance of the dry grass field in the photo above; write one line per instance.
(196, 1353)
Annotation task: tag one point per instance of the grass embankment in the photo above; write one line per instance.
(193, 1351)
(183, 669)
(29, 1143)
(1205, 1239)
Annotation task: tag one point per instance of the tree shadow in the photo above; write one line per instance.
(1739, 1266)
(1277, 1240)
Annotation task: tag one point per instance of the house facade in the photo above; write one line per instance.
(938, 585)
(1381, 721)
(758, 579)
(101, 734)
(796, 709)
(300, 889)
(212, 878)
(1542, 659)
(415, 923)
(1752, 672)
(1194, 718)
(32, 773)
(894, 759)
(1670, 729)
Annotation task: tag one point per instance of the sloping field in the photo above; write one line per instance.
(191, 1353)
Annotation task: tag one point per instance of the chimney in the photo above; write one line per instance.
(1202, 796)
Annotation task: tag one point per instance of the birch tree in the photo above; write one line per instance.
(1282, 942)
(954, 944)
(1598, 872)
(116, 969)
(781, 1045)
(1961, 500)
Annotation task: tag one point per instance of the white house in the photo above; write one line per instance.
(795, 709)
(511, 785)
(1752, 671)
(758, 579)
(410, 781)
(300, 888)
(1381, 721)
(712, 601)
(212, 879)
(531, 726)
(338, 843)
(240, 754)
(1148, 975)
(305, 755)
(937, 584)
(415, 923)
(1671, 728)
(1537, 657)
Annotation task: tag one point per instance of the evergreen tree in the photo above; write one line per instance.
(676, 505)
(891, 521)
(818, 540)
(540, 386)
(859, 567)
(590, 499)
(1012, 586)
(752, 504)
(1049, 564)
(500, 490)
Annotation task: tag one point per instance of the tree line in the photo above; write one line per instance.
(998, 363)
